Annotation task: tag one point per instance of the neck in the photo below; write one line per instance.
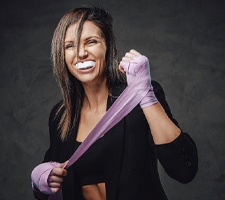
(95, 96)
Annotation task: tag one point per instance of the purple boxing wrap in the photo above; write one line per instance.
(139, 90)
(137, 65)
(40, 175)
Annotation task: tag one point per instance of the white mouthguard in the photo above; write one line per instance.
(85, 65)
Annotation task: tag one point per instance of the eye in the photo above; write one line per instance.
(91, 42)
(69, 46)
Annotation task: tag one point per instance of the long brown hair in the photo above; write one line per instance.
(71, 88)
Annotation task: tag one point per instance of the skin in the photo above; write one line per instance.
(93, 47)
(55, 178)
(162, 128)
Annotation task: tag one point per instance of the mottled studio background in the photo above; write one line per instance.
(185, 41)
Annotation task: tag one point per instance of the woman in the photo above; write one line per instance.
(123, 163)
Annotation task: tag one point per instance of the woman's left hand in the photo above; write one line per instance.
(129, 56)
(134, 63)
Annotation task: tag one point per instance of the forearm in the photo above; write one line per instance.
(163, 130)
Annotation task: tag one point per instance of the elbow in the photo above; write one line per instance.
(189, 165)
(183, 172)
(188, 177)
(187, 174)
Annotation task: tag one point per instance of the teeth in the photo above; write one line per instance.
(85, 65)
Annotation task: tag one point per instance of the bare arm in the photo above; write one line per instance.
(163, 130)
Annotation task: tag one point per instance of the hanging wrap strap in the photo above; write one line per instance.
(129, 98)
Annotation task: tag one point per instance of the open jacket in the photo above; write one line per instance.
(130, 155)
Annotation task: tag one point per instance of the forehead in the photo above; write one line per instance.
(89, 30)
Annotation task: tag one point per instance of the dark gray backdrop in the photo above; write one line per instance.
(184, 40)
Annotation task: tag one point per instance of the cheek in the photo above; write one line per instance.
(69, 56)
(102, 58)
(102, 54)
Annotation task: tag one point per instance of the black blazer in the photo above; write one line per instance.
(130, 161)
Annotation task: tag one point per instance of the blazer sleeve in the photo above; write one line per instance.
(52, 152)
(178, 158)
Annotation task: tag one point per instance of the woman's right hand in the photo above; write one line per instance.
(56, 177)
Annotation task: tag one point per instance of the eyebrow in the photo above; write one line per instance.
(90, 37)
(69, 41)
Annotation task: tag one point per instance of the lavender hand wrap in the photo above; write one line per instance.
(132, 68)
(139, 89)
(40, 176)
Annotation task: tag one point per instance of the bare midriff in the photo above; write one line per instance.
(94, 191)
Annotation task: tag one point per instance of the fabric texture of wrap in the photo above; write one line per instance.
(133, 94)
(132, 68)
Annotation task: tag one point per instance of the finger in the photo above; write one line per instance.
(55, 182)
(54, 185)
(58, 172)
(55, 190)
(126, 59)
(61, 165)
(134, 52)
(65, 163)
(121, 69)
(129, 55)
(57, 179)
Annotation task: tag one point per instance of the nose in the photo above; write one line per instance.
(82, 53)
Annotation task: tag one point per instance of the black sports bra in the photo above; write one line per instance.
(89, 167)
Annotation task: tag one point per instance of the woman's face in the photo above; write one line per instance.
(88, 64)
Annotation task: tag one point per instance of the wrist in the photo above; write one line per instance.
(149, 100)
